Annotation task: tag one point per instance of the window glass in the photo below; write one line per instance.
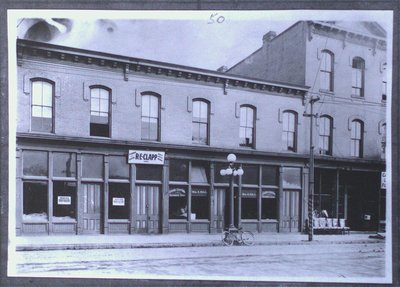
(289, 120)
(148, 172)
(326, 71)
(35, 203)
(325, 130)
(250, 175)
(270, 175)
(42, 106)
(178, 203)
(200, 122)
(269, 205)
(291, 177)
(246, 129)
(358, 77)
(356, 138)
(249, 204)
(35, 163)
(64, 200)
(99, 112)
(200, 203)
(118, 200)
(150, 117)
(199, 173)
(218, 178)
(118, 167)
(92, 166)
(178, 170)
(64, 164)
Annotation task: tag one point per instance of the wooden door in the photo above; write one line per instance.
(219, 209)
(290, 211)
(92, 208)
(147, 209)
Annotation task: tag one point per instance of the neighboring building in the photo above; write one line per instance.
(344, 63)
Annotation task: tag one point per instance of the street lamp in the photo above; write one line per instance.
(232, 171)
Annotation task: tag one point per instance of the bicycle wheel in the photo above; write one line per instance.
(227, 238)
(247, 238)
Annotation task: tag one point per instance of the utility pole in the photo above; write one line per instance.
(311, 173)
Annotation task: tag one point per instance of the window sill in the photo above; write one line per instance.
(67, 220)
(269, 220)
(327, 92)
(200, 221)
(357, 97)
(118, 220)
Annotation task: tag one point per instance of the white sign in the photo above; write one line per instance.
(64, 200)
(383, 179)
(118, 201)
(146, 157)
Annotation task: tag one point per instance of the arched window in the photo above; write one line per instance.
(325, 135)
(326, 70)
(150, 117)
(42, 106)
(247, 126)
(289, 130)
(200, 121)
(99, 111)
(358, 66)
(357, 138)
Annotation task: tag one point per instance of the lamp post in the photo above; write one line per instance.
(232, 171)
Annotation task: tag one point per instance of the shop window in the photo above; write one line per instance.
(150, 117)
(178, 170)
(250, 175)
(118, 200)
(270, 175)
(200, 122)
(99, 111)
(35, 202)
(247, 126)
(289, 131)
(177, 203)
(200, 203)
(35, 163)
(149, 172)
(118, 167)
(357, 138)
(291, 177)
(199, 174)
(249, 204)
(92, 166)
(325, 135)
(358, 66)
(269, 205)
(64, 164)
(64, 200)
(218, 178)
(326, 70)
(42, 106)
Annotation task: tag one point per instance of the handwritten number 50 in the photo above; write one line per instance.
(214, 18)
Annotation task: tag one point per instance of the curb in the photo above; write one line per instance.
(88, 246)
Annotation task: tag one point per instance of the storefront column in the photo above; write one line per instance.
(189, 199)
(279, 202)
(305, 199)
(133, 210)
(212, 215)
(238, 207)
(19, 193)
(165, 197)
(259, 199)
(50, 191)
(79, 198)
(337, 193)
(106, 173)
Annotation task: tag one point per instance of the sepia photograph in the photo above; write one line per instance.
(200, 145)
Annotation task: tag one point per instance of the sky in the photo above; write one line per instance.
(202, 39)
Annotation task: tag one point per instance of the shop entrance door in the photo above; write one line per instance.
(219, 208)
(92, 208)
(290, 211)
(148, 209)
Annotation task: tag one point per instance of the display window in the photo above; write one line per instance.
(92, 166)
(35, 201)
(249, 204)
(200, 203)
(64, 200)
(35, 163)
(269, 209)
(64, 164)
(178, 203)
(118, 200)
(149, 172)
(118, 167)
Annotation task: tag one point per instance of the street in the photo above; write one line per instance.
(316, 260)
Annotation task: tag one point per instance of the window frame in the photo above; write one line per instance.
(109, 115)
(323, 70)
(294, 132)
(361, 87)
(355, 140)
(253, 127)
(158, 97)
(328, 136)
(52, 83)
(199, 123)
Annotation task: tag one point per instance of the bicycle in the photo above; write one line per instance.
(237, 235)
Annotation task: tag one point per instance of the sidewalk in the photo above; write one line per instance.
(79, 242)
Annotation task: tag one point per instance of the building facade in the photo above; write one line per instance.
(344, 64)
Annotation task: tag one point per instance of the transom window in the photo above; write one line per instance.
(357, 131)
(200, 122)
(246, 131)
(150, 117)
(326, 70)
(42, 106)
(325, 135)
(99, 112)
(358, 66)
(289, 131)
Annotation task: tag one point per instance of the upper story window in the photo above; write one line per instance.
(42, 106)
(150, 117)
(247, 126)
(357, 138)
(325, 135)
(99, 111)
(289, 130)
(384, 90)
(200, 122)
(326, 70)
(358, 67)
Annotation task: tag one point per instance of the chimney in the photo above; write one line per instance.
(222, 69)
(268, 37)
